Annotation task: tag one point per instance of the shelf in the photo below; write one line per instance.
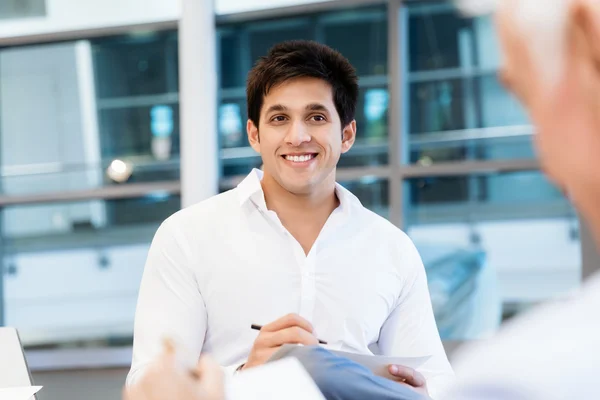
(476, 212)
(82, 239)
(418, 140)
(137, 101)
(449, 73)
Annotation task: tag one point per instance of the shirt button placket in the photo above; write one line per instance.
(308, 290)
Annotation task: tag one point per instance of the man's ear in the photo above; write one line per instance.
(585, 15)
(348, 136)
(253, 137)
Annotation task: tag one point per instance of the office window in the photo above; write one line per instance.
(373, 194)
(136, 64)
(493, 244)
(371, 146)
(240, 45)
(232, 69)
(87, 104)
(146, 136)
(457, 109)
(361, 36)
(136, 77)
(265, 34)
(89, 167)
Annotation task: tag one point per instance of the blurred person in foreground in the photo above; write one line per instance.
(166, 379)
(552, 352)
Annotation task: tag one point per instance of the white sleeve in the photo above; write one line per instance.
(410, 330)
(170, 304)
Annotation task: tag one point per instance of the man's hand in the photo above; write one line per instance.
(410, 377)
(291, 329)
(164, 380)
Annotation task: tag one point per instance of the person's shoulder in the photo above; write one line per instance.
(206, 212)
(528, 345)
(380, 226)
(371, 223)
(392, 244)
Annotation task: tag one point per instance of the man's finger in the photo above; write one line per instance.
(287, 322)
(133, 393)
(407, 375)
(292, 335)
(585, 17)
(211, 380)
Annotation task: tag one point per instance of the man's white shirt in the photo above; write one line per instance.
(219, 266)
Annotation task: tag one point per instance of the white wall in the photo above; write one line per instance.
(62, 296)
(236, 6)
(44, 99)
(69, 15)
(73, 15)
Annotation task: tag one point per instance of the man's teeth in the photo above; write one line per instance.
(302, 158)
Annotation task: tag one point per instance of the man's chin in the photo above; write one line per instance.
(299, 188)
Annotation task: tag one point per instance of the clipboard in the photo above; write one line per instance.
(376, 363)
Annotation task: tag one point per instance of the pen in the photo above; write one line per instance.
(259, 327)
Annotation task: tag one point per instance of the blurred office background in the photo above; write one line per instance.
(91, 161)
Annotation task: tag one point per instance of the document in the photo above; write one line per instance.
(19, 393)
(282, 379)
(377, 364)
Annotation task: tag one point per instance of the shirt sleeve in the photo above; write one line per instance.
(170, 304)
(410, 330)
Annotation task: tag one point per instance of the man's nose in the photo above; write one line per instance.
(297, 134)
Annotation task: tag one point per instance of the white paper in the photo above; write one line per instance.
(19, 393)
(282, 379)
(377, 364)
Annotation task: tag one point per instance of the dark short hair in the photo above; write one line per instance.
(298, 59)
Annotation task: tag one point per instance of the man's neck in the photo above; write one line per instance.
(297, 208)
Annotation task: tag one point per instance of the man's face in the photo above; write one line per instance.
(566, 112)
(300, 137)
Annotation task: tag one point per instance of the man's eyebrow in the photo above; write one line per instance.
(276, 107)
(316, 107)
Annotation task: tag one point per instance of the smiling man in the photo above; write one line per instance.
(289, 248)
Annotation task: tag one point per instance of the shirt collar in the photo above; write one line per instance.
(251, 189)
(250, 186)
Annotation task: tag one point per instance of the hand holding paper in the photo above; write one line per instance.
(410, 377)
(379, 365)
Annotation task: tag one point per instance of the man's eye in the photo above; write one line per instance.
(318, 118)
(278, 118)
